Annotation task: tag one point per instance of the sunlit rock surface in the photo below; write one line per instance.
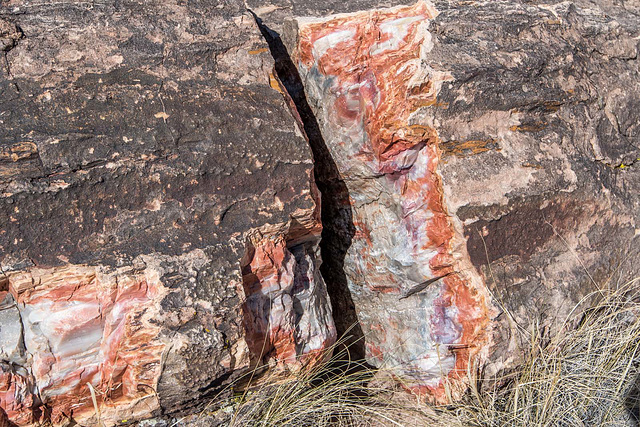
(529, 110)
(146, 149)
(152, 138)
(85, 328)
(369, 82)
(287, 309)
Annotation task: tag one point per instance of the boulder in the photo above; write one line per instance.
(189, 190)
(159, 217)
(489, 153)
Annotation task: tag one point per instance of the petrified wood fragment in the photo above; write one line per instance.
(520, 116)
(159, 220)
(80, 327)
(368, 79)
(155, 188)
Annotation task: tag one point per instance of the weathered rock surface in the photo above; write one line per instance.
(494, 138)
(83, 327)
(368, 78)
(159, 220)
(160, 224)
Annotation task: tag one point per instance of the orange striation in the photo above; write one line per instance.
(83, 327)
(367, 73)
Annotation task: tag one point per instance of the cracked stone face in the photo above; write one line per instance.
(368, 79)
(149, 155)
(286, 310)
(11, 343)
(83, 327)
(143, 149)
(523, 138)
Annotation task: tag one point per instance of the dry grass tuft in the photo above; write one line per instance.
(585, 375)
(339, 393)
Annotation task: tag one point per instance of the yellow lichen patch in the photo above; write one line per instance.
(425, 103)
(552, 106)
(274, 82)
(529, 127)
(531, 165)
(18, 151)
(420, 130)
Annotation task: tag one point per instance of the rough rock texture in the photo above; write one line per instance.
(287, 314)
(158, 214)
(545, 194)
(496, 138)
(81, 327)
(156, 189)
(368, 79)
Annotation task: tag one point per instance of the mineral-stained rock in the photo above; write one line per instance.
(146, 151)
(485, 139)
(367, 77)
(20, 404)
(85, 328)
(156, 189)
(286, 312)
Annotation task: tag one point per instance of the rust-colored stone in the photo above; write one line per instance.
(468, 148)
(287, 314)
(368, 74)
(84, 327)
(144, 142)
(18, 402)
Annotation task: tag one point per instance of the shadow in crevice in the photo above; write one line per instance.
(337, 220)
(632, 403)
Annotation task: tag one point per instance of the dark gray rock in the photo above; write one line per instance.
(148, 141)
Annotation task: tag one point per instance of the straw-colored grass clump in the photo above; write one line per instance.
(584, 375)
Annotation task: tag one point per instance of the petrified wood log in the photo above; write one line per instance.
(159, 216)
(159, 220)
(494, 143)
(369, 80)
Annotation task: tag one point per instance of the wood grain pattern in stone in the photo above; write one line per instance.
(82, 326)
(367, 76)
(145, 137)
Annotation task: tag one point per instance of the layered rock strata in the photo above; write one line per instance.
(369, 82)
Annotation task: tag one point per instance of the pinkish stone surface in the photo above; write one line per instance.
(287, 312)
(85, 327)
(367, 77)
(17, 399)
(146, 139)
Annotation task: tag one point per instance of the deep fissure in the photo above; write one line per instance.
(337, 221)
